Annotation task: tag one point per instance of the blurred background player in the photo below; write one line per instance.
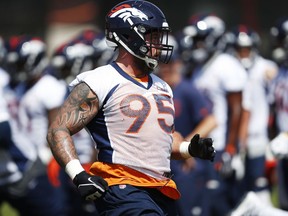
(25, 62)
(279, 102)
(86, 51)
(221, 78)
(243, 42)
(9, 171)
(192, 116)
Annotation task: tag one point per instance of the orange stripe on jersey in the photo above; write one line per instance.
(142, 79)
(116, 174)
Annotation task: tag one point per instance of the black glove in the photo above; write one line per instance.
(90, 187)
(202, 148)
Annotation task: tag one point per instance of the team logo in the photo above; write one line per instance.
(125, 12)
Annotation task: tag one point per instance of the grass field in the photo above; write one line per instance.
(7, 210)
(274, 197)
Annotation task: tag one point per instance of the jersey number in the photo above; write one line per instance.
(142, 108)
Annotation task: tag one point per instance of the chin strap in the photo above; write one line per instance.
(151, 63)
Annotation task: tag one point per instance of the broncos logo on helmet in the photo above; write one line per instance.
(126, 11)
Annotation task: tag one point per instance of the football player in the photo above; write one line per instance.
(243, 43)
(32, 98)
(130, 114)
(221, 78)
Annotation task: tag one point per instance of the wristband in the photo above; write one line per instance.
(184, 149)
(73, 168)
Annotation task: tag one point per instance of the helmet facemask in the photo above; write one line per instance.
(150, 45)
(155, 47)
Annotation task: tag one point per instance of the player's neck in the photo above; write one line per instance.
(131, 71)
(134, 67)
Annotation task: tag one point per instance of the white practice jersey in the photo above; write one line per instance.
(134, 124)
(4, 80)
(9, 170)
(221, 75)
(255, 99)
(23, 149)
(48, 93)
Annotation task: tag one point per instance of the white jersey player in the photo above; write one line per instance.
(255, 142)
(221, 75)
(244, 44)
(29, 104)
(9, 171)
(44, 96)
(222, 79)
(255, 96)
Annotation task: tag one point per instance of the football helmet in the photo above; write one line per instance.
(102, 53)
(85, 52)
(243, 42)
(279, 36)
(134, 26)
(243, 36)
(26, 57)
(201, 37)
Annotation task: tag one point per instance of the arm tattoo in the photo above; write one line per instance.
(79, 108)
(77, 111)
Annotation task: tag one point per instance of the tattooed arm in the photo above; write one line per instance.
(78, 109)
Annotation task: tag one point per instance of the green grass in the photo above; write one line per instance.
(7, 210)
(274, 196)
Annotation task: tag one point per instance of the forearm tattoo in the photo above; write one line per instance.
(79, 108)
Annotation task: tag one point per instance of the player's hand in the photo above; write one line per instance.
(202, 148)
(90, 187)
